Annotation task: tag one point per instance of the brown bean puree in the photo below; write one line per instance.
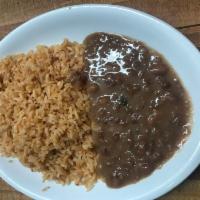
(140, 111)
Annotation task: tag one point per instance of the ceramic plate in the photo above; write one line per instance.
(75, 23)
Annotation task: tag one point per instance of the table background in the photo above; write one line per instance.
(182, 14)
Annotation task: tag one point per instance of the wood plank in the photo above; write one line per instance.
(5, 187)
(193, 33)
(7, 28)
(188, 12)
(195, 175)
(13, 196)
(177, 12)
(189, 190)
(19, 11)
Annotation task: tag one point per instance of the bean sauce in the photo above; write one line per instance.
(140, 110)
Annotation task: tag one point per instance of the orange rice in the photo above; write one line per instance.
(43, 118)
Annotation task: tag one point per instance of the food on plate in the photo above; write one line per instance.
(111, 108)
(140, 111)
(43, 117)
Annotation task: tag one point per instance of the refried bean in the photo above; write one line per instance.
(140, 110)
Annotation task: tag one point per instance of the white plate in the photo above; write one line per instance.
(75, 23)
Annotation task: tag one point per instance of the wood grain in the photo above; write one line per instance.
(193, 33)
(182, 14)
(187, 190)
(176, 12)
(12, 196)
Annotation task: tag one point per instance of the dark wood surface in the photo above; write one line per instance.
(182, 14)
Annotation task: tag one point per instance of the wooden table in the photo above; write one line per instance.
(182, 14)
